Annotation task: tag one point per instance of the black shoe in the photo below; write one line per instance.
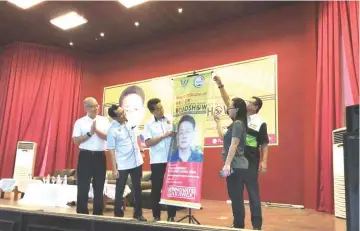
(82, 212)
(237, 227)
(171, 219)
(118, 215)
(140, 218)
(155, 219)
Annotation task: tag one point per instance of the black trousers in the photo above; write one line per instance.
(235, 187)
(91, 165)
(252, 186)
(157, 180)
(135, 174)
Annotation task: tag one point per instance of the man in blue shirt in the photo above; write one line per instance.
(126, 158)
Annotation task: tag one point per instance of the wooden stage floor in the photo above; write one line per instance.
(218, 213)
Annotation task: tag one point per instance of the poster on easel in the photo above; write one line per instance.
(183, 177)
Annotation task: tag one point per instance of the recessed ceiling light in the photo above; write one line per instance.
(180, 10)
(71, 43)
(131, 3)
(68, 21)
(102, 34)
(25, 4)
(137, 23)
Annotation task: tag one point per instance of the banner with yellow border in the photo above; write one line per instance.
(183, 177)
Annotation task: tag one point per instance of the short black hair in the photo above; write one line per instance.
(188, 119)
(258, 103)
(152, 103)
(112, 110)
(132, 90)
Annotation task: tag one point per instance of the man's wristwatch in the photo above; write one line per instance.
(142, 151)
(88, 134)
(221, 86)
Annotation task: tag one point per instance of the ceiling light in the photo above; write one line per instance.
(137, 24)
(68, 21)
(25, 4)
(102, 34)
(131, 3)
(71, 43)
(180, 10)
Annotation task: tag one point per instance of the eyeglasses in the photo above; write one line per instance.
(92, 106)
(186, 132)
(131, 109)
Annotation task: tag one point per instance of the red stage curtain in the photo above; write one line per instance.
(39, 96)
(334, 21)
(349, 12)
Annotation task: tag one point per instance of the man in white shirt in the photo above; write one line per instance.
(90, 134)
(158, 133)
(126, 158)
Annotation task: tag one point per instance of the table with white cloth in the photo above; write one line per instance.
(16, 185)
(60, 195)
(9, 185)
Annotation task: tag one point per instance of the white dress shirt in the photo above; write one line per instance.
(123, 139)
(83, 126)
(153, 129)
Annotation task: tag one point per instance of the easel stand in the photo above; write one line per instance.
(192, 219)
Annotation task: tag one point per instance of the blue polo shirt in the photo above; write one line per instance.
(123, 138)
(194, 157)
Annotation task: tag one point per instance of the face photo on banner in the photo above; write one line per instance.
(133, 98)
(186, 150)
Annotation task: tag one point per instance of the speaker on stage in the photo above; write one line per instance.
(351, 170)
(352, 118)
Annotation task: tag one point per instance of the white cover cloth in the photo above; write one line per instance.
(58, 195)
(8, 185)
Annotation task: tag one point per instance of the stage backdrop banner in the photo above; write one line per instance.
(183, 177)
(256, 77)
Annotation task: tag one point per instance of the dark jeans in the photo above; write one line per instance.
(235, 186)
(91, 165)
(252, 187)
(157, 180)
(135, 174)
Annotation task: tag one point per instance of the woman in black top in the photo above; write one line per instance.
(233, 157)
